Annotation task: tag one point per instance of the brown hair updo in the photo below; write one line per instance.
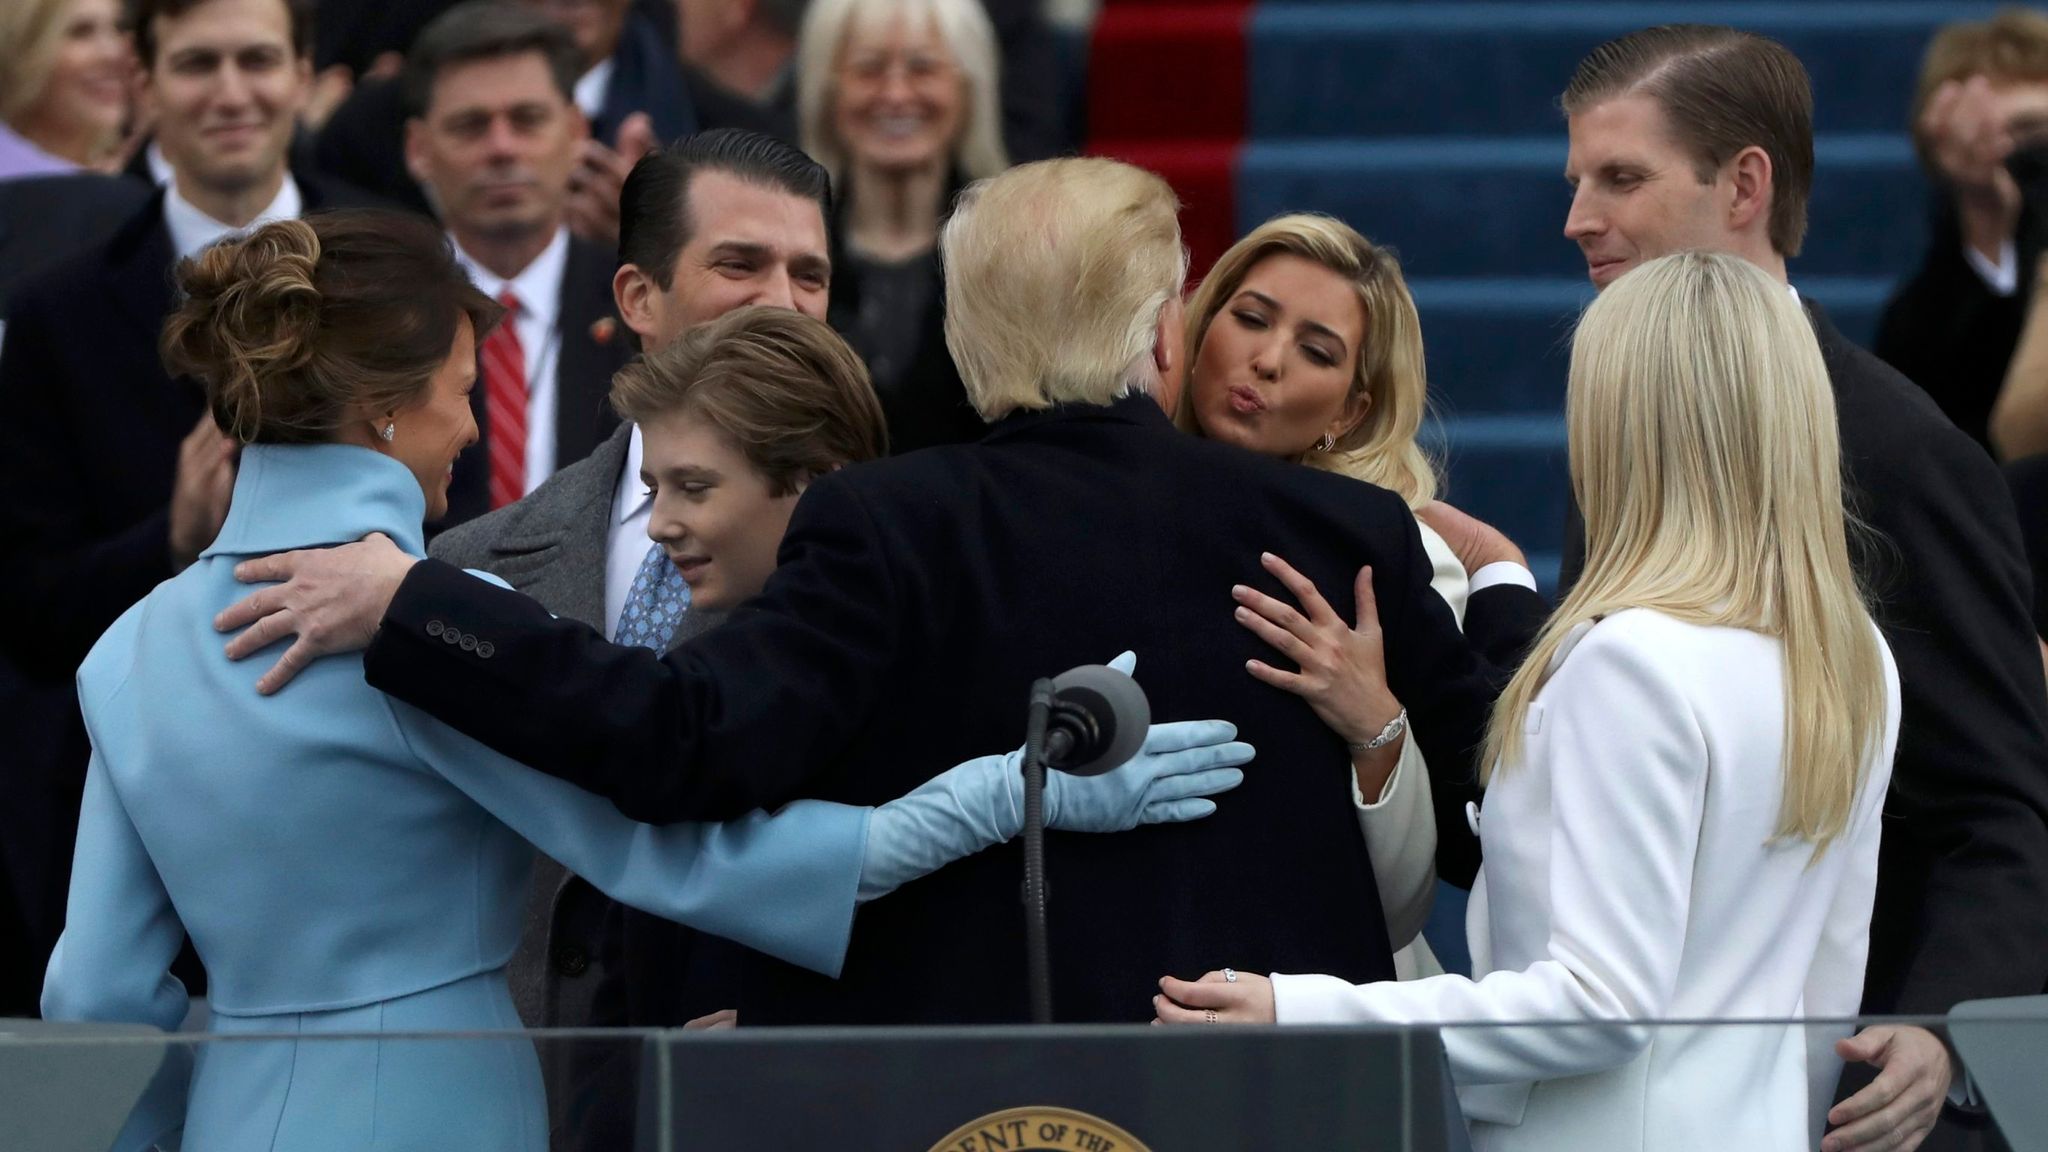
(785, 389)
(304, 324)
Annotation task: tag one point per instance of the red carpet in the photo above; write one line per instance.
(1166, 90)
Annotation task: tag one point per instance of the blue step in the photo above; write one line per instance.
(1501, 346)
(1339, 69)
(1509, 471)
(1466, 206)
(1508, 467)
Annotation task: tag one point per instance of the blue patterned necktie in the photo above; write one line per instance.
(655, 604)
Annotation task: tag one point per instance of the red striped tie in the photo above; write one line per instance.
(505, 405)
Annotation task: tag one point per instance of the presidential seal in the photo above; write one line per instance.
(1039, 1130)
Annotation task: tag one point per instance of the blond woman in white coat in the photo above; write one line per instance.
(1682, 816)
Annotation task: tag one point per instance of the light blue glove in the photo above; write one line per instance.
(980, 804)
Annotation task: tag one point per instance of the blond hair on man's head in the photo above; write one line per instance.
(1056, 277)
(1389, 378)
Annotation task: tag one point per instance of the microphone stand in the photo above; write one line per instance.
(1039, 960)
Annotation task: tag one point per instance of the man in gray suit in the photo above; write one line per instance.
(719, 221)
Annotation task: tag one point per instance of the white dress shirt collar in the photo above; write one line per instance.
(193, 231)
(160, 169)
(590, 89)
(538, 286)
(626, 543)
(630, 498)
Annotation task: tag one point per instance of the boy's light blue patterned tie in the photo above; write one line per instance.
(655, 604)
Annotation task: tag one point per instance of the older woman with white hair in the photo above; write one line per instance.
(1686, 775)
(64, 73)
(898, 100)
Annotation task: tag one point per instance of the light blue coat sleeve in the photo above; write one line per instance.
(113, 961)
(781, 883)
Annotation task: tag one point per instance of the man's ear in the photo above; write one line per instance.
(1169, 339)
(1749, 175)
(639, 300)
(416, 149)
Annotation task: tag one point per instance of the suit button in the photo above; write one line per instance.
(1472, 817)
(486, 650)
(467, 643)
(571, 960)
(451, 636)
(435, 627)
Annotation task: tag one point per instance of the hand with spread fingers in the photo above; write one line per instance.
(1896, 1111)
(330, 599)
(1225, 997)
(1342, 669)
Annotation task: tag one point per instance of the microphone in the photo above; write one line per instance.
(1085, 721)
(1098, 720)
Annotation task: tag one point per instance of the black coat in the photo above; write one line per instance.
(2027, 478)
(1948, 332)
(915, 601)
(44, 219)
(594, 347)
(1960, 913)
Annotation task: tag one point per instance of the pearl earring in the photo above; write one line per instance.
(390, 432)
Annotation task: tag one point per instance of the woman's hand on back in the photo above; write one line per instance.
(1343, 668)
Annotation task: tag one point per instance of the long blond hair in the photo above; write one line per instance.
(1705, 457)
(1382, 449)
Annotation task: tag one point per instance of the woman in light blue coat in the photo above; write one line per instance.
(344, 864)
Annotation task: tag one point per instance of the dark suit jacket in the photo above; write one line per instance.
(915, 601)
(88, 457)
(2027, 478)
(363, 142)
(594, 347)
(1950, 334)
(1964, 864)
(44, 219)
(646, 77)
